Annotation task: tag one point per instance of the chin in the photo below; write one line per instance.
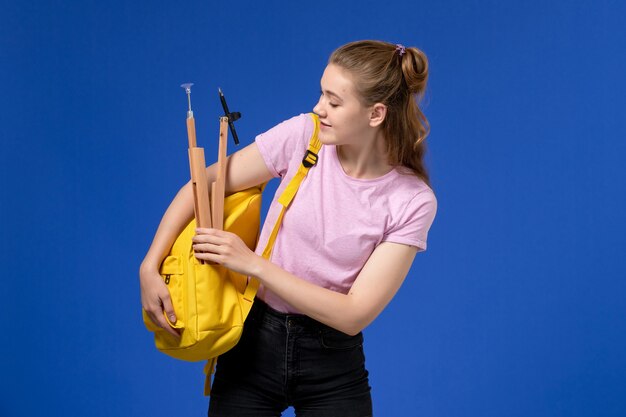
(327, 139)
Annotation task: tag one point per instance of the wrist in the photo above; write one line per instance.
(149, 265)
(258, 267)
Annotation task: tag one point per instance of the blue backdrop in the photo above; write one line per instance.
(518, 306)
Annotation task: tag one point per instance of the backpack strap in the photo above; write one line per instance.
(285, 199)
(309, 160)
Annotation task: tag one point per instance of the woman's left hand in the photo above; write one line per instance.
(224, 248)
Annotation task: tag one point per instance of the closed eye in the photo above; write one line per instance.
(330, 104)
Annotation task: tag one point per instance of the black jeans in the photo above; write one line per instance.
(291, 360)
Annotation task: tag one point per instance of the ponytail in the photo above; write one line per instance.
(395, 76)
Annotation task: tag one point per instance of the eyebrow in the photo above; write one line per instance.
(330, 93)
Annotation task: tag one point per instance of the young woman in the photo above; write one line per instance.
(346, 243)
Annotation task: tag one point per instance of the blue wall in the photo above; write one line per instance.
(518, 306)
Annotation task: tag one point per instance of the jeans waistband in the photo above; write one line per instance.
(261, 310)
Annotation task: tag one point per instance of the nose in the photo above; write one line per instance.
(319, 108)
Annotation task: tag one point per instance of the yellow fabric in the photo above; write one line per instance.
(212, 302)
(208, 299)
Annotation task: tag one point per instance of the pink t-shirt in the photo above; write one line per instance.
(335, 221)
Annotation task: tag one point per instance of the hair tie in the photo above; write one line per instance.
(400, 49)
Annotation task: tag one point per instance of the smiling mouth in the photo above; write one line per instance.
(324, 124)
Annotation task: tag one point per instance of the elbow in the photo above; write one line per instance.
(354, 318)
(352, 327)
(353, 331)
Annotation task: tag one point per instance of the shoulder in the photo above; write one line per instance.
(413, 208)
(288, 139)
(410, 190)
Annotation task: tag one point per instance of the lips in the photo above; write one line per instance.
(324, 124)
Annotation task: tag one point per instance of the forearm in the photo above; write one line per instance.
(349, 313)
(339, 311)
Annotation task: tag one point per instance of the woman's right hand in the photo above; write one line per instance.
(245, 168)
(155, 299)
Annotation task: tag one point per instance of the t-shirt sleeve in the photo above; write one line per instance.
(414, 222)
(280, 144)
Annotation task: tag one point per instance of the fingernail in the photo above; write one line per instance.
(172, 318)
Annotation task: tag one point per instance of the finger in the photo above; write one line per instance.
(206, 231)
(208, 238)
(156, 315)
(207, 247)
(207, 256)
(166, 326)
(168, 308)
(174, 332)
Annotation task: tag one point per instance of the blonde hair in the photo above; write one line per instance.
(395, 76)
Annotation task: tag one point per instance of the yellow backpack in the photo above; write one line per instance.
(212, 302)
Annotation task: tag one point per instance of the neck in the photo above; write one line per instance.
(365, 161)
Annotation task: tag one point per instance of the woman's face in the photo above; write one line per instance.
(343, 119)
